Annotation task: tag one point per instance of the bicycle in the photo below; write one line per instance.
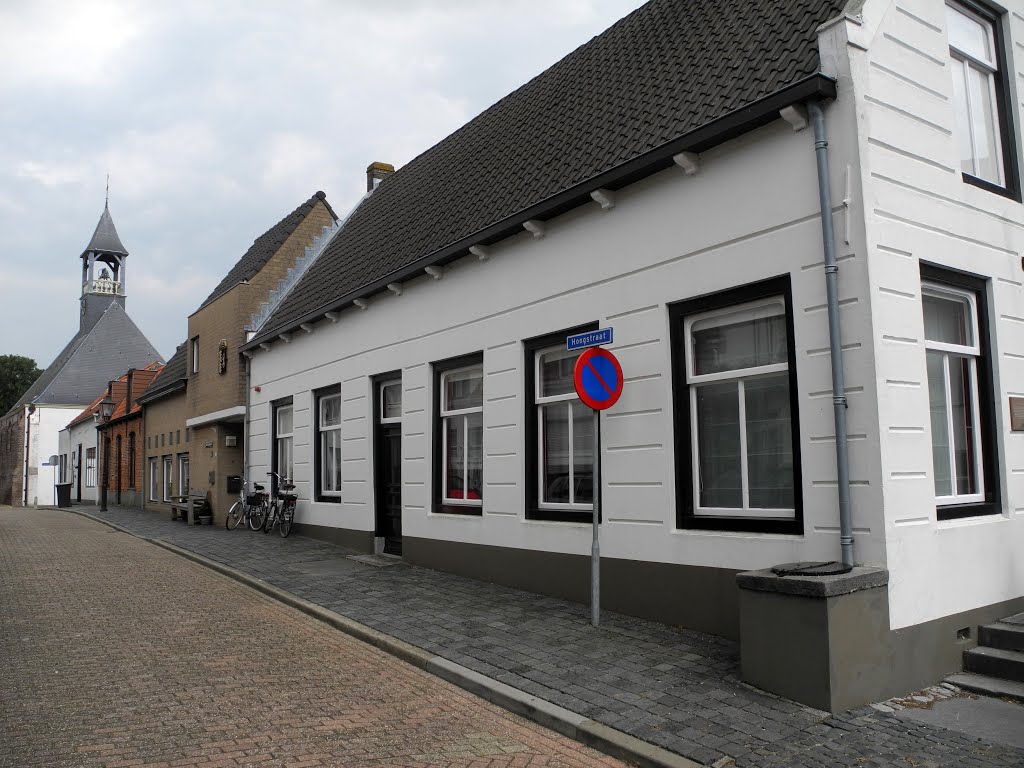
(282, 508)
(250, 509)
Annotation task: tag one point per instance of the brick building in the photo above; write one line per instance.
(167, 440)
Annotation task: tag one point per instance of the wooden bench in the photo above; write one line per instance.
(187, 507)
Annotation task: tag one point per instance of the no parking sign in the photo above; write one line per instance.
(598, 378)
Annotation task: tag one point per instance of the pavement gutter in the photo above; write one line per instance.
(566, 722)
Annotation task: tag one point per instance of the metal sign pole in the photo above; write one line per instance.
(595, 549)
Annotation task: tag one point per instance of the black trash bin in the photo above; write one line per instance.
(64, 494)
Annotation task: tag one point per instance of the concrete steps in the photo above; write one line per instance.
(996, 666)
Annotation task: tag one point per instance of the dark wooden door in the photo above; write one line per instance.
(389, 486)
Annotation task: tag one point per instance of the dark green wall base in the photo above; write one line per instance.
(833, 650)
(705, 599)
(360, 541)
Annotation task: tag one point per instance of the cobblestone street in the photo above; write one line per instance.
(118, 653)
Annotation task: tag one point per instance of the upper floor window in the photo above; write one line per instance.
(461, 452)
(195, 355)
(977, 93)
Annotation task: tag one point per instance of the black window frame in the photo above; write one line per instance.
(320, 495)
(533, 509)
(439, 368)
(987, 399)
(686, 519)
(1004, 97)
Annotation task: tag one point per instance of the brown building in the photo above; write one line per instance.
(165, 447)
(195, 410)
(115, 455)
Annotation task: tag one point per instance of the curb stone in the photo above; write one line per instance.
(566, 722)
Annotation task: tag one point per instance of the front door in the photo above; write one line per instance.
(388, 444)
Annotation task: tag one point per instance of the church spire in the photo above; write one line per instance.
(103, 268)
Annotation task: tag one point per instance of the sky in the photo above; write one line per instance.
(216, 119)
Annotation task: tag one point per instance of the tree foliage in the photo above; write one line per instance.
(17, 374)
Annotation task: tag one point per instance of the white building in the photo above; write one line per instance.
(415, 382)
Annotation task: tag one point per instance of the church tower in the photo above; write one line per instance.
(103, 271)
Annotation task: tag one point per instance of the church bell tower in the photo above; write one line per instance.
(103, 271)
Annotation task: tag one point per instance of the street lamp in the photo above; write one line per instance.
(106, 410)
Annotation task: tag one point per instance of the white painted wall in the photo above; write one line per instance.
(46, 424)
(84, 434)
(750, 213)
(919, 209)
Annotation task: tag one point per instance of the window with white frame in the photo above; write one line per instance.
(329, 429)
(154, 480)
(461, 416)
(741, 437)
(737, 425)
(90, 467)
(195, 355)
(283, 462)
(953, 352)
(168, 478)
(565, 434)
(977, 97)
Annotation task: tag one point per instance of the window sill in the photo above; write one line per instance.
(455, 510)
(560, 516)
(988, 186)
(793, 527)
(328, 499)
(955, 512)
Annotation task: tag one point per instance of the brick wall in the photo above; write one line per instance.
(165, 435)
(12, 458)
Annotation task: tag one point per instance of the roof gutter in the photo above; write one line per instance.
(747, 118)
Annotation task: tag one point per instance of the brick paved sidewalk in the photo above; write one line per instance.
(117, 654)
(671, 687)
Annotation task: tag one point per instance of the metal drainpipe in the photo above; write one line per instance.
(29, 410)
(245, 425)
(834, 335)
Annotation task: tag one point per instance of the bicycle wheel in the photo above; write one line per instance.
(257, 514)
(287, 517)
(235, 515)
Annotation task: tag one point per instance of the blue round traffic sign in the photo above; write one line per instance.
(598, 378)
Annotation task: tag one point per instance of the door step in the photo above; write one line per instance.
(988, 686)
(995, 662)
(1007, 635)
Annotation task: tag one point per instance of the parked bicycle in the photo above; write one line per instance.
(250, 509)
(282, 508)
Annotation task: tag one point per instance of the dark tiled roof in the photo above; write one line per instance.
(265, 246)
(93, 358)
(172, 378)
(664, 71)
(105, 239)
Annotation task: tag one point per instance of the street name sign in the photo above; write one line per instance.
(588, 339)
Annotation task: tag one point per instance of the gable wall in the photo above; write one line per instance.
(918, 209)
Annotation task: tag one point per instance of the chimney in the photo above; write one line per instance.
(375, 172)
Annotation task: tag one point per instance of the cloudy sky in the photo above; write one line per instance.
(215, 119)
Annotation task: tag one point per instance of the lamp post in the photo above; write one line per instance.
(106, 409)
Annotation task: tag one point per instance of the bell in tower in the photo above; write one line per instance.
(103, 270)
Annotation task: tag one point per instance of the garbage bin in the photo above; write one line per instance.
(64, 494)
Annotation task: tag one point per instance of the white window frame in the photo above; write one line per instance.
(772, 306)
(90, 467)
(989, 68)
(972, 353)
(168, 462)
(384, 419)
(195, 354)
(322, 432)
(464, 414)
(154, 480)
(542, 400)
(280, 438)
